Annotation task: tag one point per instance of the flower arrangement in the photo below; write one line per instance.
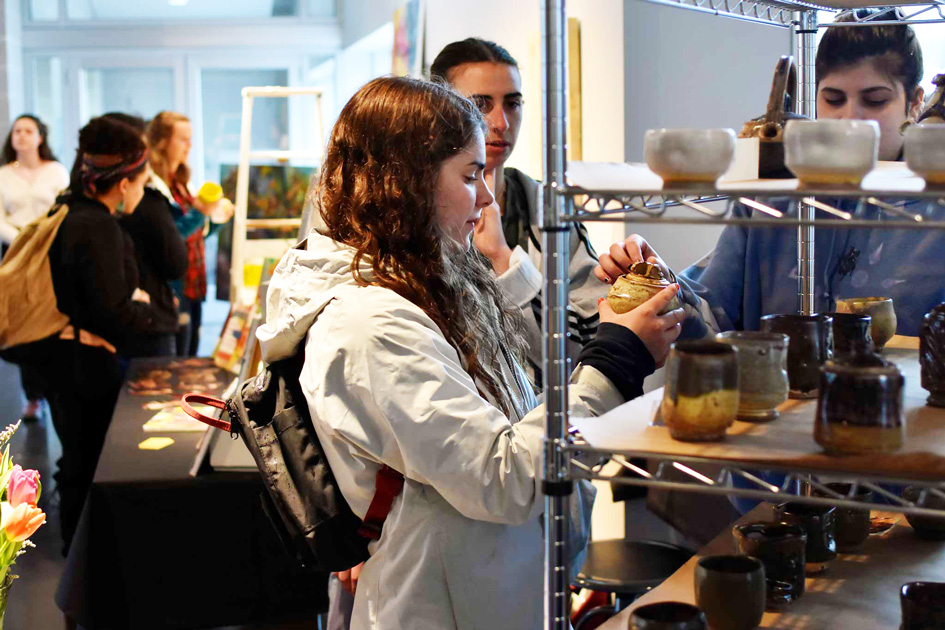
(19, 516)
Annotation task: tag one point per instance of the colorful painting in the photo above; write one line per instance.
(408, 39)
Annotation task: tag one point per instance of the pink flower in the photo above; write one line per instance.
(23, 486)
(21, 522)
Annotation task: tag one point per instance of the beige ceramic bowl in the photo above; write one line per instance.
(831, 152)
(880, 309)
(686, 156)
(925, 152)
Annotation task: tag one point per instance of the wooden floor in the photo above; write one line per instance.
(31, 604)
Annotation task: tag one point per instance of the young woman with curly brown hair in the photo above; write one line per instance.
(412, 360)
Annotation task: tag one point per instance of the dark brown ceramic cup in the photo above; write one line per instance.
(811, 345)
(928, 527)
(667, 616)
(781, 548)
(819, 522)
(730, 590)
(923, 605)
(853, 525)
(851, 333)
(860, 407)
(932, 355)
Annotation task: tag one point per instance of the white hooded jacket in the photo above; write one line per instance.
(462, 546)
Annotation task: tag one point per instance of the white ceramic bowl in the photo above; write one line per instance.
(925, 152)
(831, 152)
(689, 155)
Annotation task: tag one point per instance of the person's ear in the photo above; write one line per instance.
(915, 106)
(124, 185)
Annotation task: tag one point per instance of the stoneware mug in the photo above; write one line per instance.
(667, 616)
(762, 372)
(819, 522)
(811, 344)
(923, 605)
(781, 547)
(882, 312)
(730, 590)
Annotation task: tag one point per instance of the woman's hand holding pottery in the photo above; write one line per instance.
(656, 332)
(621, 255)
(490, 239)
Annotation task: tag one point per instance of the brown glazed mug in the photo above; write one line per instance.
(811, 345)
(853, 525)
(860, 407)
(667, 616)
(923, 605)
(932, 355)
(781, 547)
(730, 590)
(851, 333)
(820, 523)
(881, 309)
(700, 398)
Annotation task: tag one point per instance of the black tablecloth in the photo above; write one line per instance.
(156, 548)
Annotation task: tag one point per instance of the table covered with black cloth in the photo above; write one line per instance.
(157, 548)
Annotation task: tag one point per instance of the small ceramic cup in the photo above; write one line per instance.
(781, 547)
(831, 152)
(851, 333)
(926, 527)
(820, 523)
(667, 616)
(730, 590)
(932, 355)
(860, 408)
(853, 525)
(762, 372)
(688, 156)
(811, 344)
(923, 605)
(924, 149)
(882, 312)
(700, 398)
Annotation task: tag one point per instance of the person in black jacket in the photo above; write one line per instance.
(161, 257)
(95, 281)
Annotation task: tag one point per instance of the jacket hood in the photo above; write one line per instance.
(303, 283)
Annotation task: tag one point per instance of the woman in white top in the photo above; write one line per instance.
(30, 179)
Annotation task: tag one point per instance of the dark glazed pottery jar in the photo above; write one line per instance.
(810, 346)
(667, 616)
(700, 399)
(860, 408)
(853, 525)
(781, 547)
(924, 526)
(820, 523)
(923, 605)
(731, 591)
(851, 333)
(932, 355)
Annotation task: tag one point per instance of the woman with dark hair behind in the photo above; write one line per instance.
(412, 360)
(88, 264)
(161, 258)
(30, 179)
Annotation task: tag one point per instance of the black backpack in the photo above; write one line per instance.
(302, 499)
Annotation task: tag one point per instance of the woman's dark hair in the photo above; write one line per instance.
(45, 153)
(894, 49)
(377, 195)
(137, 123)
(471, 50)
(109, 151)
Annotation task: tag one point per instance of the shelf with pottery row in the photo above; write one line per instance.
(785, 445)
(619, 192)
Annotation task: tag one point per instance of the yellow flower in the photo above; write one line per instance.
(20, 522)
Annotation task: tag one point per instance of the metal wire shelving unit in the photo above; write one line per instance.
(563, 204)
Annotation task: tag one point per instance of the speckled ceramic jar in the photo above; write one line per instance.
(932, 355)
(643, 281)
(762, 372)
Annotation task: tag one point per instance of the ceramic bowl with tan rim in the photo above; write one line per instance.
(689, 156)
(831, 152)
(924, 148)
(880, 309)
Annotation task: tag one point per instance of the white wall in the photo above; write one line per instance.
(11, 64)
(360, 18)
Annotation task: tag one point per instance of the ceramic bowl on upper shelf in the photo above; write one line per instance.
(831, 152)
(924, 148)
(689, 156)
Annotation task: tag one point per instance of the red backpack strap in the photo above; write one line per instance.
(200, 399)
(387, 486)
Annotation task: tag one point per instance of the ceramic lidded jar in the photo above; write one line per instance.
(700, 398)
(860, 408)
(632, 289)
(932, 355)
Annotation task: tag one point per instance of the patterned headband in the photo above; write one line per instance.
(102, 166)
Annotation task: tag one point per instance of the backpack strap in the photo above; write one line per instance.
(201, 399)
(387, 485)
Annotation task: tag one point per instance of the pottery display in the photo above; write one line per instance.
(880, 309)
(762, 372)
(851, 333)
(781, 547)
(810, 346)
(932, 355)
(924, 150)
(700, 398)
(819, 523)
(860, 408)
(686, 156)
(853, 525)
(831, 152)
(643, 281)
(730, 590)
(923, 605)
(928, 527)
(667, 616)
